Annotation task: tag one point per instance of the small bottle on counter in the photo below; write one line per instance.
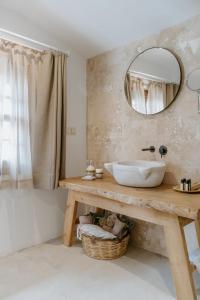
(188, 185)
(183, 184)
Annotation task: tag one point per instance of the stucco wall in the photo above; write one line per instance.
(117, 132)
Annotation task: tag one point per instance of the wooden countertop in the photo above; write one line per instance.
(161, 198)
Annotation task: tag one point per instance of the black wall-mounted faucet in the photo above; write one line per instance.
(162, 150)
(151, 149)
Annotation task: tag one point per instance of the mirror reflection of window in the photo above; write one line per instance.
(152, 81)
(138, 95)
(150, 97)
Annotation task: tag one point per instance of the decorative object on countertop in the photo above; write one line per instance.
(186, 186)
(193, 83)
(90, 171)
(99, 173)
(196, 186)
(107, 237)
(88, 177)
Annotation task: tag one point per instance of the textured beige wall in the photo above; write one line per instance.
(116, 132)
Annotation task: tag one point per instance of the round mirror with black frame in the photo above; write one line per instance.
(152, 81)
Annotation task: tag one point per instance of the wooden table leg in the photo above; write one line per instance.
(70, 218)
(179, 259)
(197, 225)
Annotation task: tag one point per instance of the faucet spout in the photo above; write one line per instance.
(151, 149)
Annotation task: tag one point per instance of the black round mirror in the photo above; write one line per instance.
(152, 81)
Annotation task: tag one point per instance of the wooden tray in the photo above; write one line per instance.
(176, 188)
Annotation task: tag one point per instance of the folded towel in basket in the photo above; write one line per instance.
(94, 230)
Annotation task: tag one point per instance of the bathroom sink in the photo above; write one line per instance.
(138, 173)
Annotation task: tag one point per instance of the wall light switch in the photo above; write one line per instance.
(71, 131)
(68, 130)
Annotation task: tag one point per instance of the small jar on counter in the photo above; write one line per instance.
(99, 173)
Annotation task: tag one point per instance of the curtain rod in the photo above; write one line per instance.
(146, 76)
(32, 41)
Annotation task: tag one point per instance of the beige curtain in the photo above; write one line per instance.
(32, 116)
(49, 120)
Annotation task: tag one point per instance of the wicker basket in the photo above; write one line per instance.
(104, 249)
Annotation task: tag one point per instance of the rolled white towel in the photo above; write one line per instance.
(195, 258)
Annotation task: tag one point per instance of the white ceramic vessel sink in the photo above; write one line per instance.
(138, 173)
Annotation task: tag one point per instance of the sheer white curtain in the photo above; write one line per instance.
(138, 96)
(156, 100)
(15, 152)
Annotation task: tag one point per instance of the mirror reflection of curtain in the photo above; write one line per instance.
(128, 87)
(156, 100)
(138, 96)
(158, 94)
(134, 90)
(171, 91)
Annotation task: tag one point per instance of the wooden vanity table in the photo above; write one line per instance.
(160, 205)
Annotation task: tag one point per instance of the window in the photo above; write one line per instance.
(15, 155)
(6, 131)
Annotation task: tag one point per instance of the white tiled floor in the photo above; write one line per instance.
(53, 272)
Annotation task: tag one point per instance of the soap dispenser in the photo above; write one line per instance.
(90, 169)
